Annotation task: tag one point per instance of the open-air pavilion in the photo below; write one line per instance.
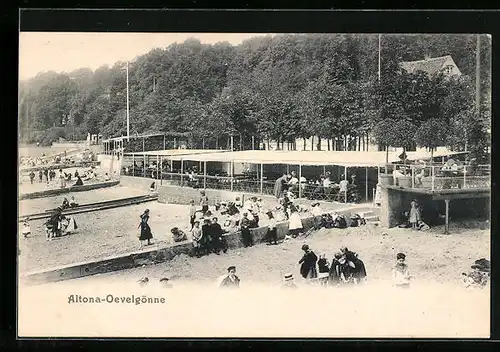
(255, 171)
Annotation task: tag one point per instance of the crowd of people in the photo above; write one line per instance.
(288, 185)
(48, 176)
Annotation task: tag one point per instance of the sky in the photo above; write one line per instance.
(65, 52)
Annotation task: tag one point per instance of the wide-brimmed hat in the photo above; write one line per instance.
(288, 277)
(232, 267)
(305, 247)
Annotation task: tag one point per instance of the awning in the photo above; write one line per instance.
(340, 158)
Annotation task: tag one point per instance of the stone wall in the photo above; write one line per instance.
(395, 202)
(58, 191)
(182, 195)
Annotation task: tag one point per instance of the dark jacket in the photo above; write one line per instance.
(308, 262)
(216, 230)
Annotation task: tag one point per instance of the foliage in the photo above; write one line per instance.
(432, 133)
(279, 87)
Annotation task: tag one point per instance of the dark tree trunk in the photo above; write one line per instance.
(305, 146)
(328, 141)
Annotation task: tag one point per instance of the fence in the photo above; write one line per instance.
(442, 177)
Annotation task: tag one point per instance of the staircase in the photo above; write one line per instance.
(372, 216)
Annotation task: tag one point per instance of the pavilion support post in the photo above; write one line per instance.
(366, 184)
(324, 170)
(261, 178)
(412, 177)
(133, 164)
(465, 173)
(432, 178)
(171, 170)
(157, 165)
(447, 217)
(161, 170)
(205, 175)
(345, 178)
(175, 143)
(300, 183)
(143, 144)
(216, 142)
(231, 172)
(164, 142)
(182, 171)
(287, 169)
(253, 143)
(232, 143)
(144, 167)
(203, 143)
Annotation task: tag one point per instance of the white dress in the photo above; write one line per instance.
(295, 221)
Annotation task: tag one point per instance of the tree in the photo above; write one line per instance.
(431, 134)
(403, 136)
(383, 135)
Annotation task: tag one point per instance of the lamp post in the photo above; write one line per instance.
(128, 109)
(128, 106)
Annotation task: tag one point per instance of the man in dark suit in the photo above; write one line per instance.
(218, 241)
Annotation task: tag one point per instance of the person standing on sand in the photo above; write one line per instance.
(40, 176)
(414, 214)
(145, 230)
(272, 235)
(196, 237)
(245, 231)
(192, 213)
(400, 273)
(203, 202)
(231, 280)
(308, 261)
(32, 177)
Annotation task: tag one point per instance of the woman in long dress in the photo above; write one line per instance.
(414, 217)
(308, 268)
(295, 225)
(145, 229)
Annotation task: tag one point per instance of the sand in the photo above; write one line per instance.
(437, 305)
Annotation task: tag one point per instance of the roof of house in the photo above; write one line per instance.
(430, 66)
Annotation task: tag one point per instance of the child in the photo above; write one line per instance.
(400, 273)
(192, 213)
(178, 235)
(203, 203)
(414, 217)
(196, 236)
(26, 230)
(272, 236)
(323, 265)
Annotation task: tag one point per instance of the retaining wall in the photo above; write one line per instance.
(58, 191)
(182, 195)
(153, 256)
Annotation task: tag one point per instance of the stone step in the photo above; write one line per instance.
(372, 218)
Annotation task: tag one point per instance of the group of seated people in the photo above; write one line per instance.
(66, 204)
(208, 238)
